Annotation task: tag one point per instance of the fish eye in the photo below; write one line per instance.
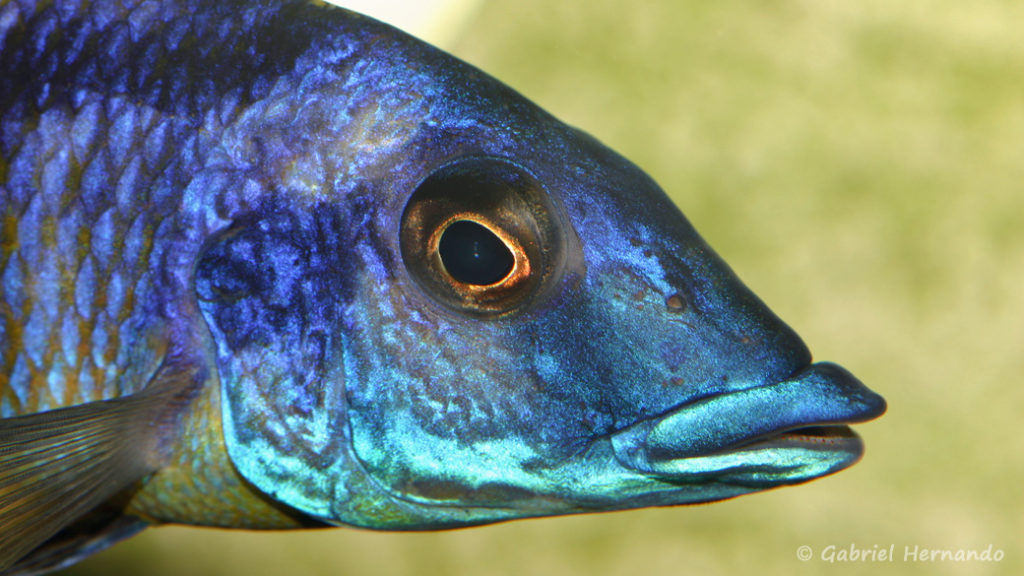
(479, 235)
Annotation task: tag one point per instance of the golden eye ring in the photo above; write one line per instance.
(520, 269)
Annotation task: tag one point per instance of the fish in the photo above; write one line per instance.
(277, 265)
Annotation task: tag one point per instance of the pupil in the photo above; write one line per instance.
(472, 254)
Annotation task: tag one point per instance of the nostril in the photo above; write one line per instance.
(676, 303)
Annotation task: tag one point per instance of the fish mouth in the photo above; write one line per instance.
(783, 433)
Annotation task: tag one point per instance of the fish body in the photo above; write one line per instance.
(276, 264)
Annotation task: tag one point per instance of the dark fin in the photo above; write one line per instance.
(75, 543)
(57, 466)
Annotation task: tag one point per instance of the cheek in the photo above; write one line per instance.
(465, 383)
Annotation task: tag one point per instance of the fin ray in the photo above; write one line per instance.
(56, 466)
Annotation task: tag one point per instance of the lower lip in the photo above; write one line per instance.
(790, 457)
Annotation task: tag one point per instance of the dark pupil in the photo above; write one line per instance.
(472, 254)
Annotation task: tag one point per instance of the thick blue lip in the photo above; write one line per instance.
(796, 424)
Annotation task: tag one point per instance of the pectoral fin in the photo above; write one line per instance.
(58, 465)
(82, 539)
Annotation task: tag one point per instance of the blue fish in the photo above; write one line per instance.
(278, 265)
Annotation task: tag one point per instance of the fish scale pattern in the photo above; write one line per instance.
(78, 242)
(105, 185)
(130, 133)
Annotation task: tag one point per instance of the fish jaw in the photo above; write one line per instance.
(709, 449)
(784, 433)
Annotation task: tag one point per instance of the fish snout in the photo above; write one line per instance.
(791, 431)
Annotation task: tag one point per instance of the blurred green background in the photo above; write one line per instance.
(861, 166)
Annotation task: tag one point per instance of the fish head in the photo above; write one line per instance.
(493, 316)
(627, 367)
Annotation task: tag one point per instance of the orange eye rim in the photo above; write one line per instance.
(521, 267)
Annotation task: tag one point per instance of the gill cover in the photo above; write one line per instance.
(284, 292)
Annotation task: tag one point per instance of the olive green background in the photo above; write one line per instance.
(861, 166)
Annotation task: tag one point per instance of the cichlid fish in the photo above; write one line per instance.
(276, 264)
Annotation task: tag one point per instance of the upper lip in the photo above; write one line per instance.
(752, 420)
